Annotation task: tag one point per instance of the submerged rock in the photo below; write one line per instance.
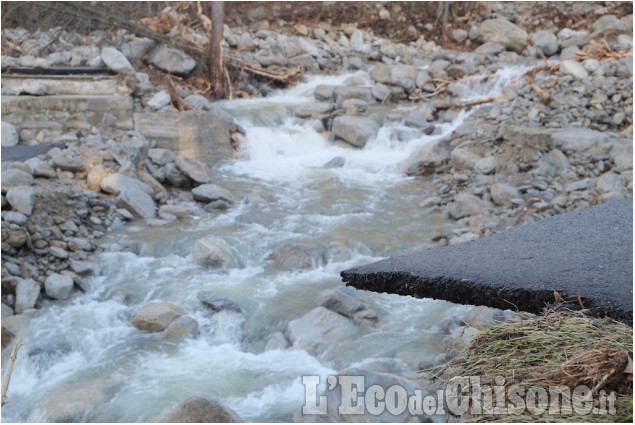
(297, 256)
(156, 316)
(201, 408)
(207, 253)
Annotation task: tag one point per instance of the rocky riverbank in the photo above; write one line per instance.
(555, 137)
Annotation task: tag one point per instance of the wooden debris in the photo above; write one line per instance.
(542, 94)
(174, 94)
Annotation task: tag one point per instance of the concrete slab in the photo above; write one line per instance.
(586, 253)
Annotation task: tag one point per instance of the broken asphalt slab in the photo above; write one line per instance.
(586, 253)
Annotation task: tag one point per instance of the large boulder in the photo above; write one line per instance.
(467, 204)
(396, 75)
(579, 139)
(15, 177)
(194, 169)
(76, 402)
(318, 329)
(207, 253)
(27, 292)
(341, 300)
(10, 136)
(138, 202)
(116, 183)
(502, 31)
(427, 158)
(156, 316)
(22, 199)
(502, 193)
(211, 192)
(354, 130)
(115, 60)
(201, 408)
(171, 60)
(546, 41)
(58, 286)
(297, 256)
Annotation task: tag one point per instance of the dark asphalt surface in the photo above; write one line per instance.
(24, 152)
(587, 253)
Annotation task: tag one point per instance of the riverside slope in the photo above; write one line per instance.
(587, 253)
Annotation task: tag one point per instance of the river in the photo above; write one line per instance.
(361, 212)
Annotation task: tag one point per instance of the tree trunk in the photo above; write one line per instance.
(216, 76)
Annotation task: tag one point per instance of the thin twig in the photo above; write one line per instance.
(7, 374)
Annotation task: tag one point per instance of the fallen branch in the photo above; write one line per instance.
(542, 94)
(7, 374)
(175, 98)
(448, 104)
(523, 210)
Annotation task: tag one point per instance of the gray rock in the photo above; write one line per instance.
(324, 93)
(84, 268)
(173, 176)
(489, 49)
(21, 199)
(10, 136)
(194, 169)
(58, 252)
(161, 156)
(311, 110)
(545, 41)
(502, 31)
(183, 327)
(568, 53)
(574, 68)
(344, 93)
(464, 158)
(135, 50)
(159, 100)
(40, 168)
(171, 60)
(207, 253)
(559, 160)
(197, 102)
(502, 194)
(217, 302)
(609, 182)
(115, 60)
(201, 408)
(17, 239)
(155, 316)
(178, 211)
(78, 244)
(354, 130)
(66, 163)
(211, 192)
(277, 341)
(608, 22)
(318, 329)
(578, 139)
(583, 184)
(337, 162)
(14, 177)
(396, 75)
(297, 256)
(427, 158)
(459, 35)
(6, 311)
(27, 292)
(137, 202)
(486, 165)
(357, 42)
(58, 286)
(467, 204)
(117, 182)
(341, 300)
(465, 237)
(14, 217)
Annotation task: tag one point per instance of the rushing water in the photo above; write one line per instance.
(362, 212)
